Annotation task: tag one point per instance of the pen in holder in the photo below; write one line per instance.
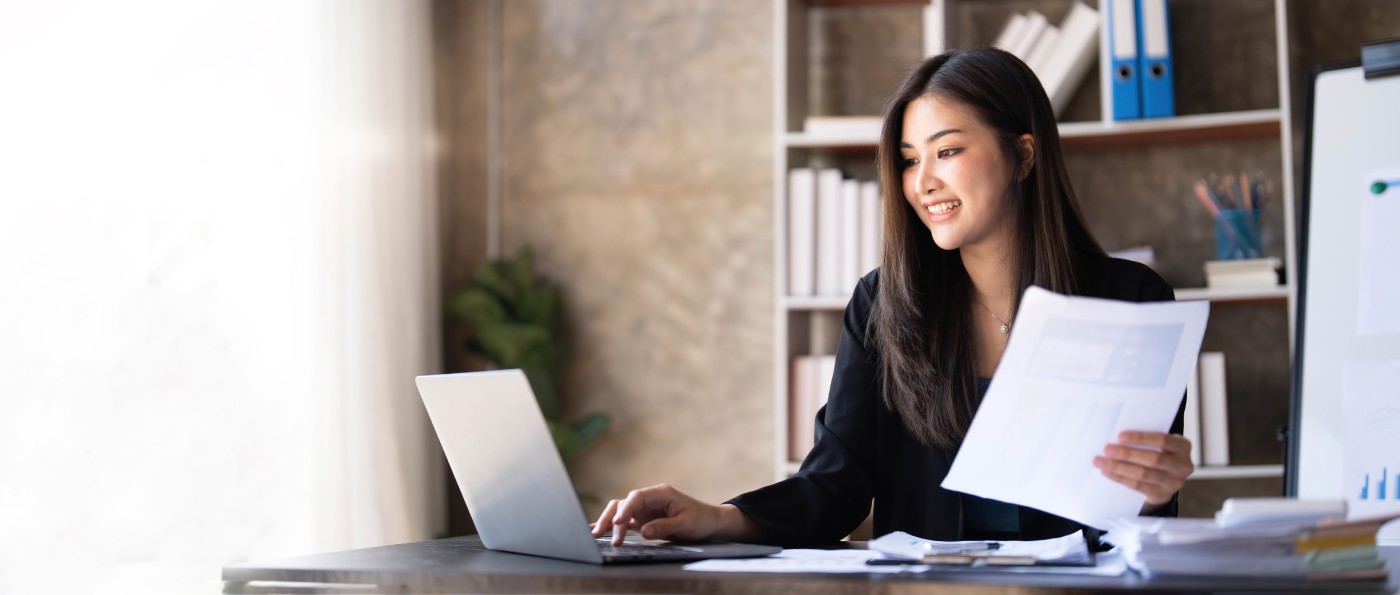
(1236, 234)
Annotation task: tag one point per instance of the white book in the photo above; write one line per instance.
(935, 39)
(1192, 426)
(801, 415)
(871, 227)
(1035, 25)
(1241, 274)
(1215, 418)
(802, 231)
(1043, 49)
(858, 126)
(850, 233)
(1075, 51)
(829, 280)
(1011, 34)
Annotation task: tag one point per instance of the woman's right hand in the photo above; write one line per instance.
(663, 512)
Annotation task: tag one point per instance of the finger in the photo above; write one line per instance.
(1173, 463)
(622, 519)
(1156, 495)
(639, 507)
(1157, 440)
(605, 520)
(1139, 473)
(662, 528)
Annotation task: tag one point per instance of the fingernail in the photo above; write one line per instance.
(648, 532)
(1098, 461)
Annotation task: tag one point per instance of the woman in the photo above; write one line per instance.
(978, 208)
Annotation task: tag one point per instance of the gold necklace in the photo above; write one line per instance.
(1005, 326)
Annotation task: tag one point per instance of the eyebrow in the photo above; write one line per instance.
(932, 137)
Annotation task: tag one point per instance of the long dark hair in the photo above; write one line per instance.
(922, 318)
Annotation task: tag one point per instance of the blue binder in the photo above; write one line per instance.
(1155, 60)
(1123, 56)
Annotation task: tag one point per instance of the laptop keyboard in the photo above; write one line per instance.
(645, 551)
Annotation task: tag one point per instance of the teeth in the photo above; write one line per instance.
(944, 207)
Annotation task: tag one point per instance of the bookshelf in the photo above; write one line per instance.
(1251, 128)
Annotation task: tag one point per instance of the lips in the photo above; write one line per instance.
(944, 207)
(942, 210)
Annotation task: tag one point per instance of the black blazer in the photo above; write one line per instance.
(864, 453)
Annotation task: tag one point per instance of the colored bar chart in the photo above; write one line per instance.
(1384, 488)
(1371, 429)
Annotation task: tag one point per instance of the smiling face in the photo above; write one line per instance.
(955, 175)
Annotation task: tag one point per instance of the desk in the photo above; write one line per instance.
(463, 565)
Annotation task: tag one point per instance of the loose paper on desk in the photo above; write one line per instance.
(1076, 372)
(841, 561)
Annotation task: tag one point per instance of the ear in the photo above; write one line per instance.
(1026, 143)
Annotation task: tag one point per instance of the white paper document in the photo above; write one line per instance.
(1076, 372)
(1069, 549)
(1378, 287)
(824, 561)
(1371, 441)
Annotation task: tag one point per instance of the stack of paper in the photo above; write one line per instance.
(1297, 546)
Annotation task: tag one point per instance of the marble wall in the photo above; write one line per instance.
(637, 145)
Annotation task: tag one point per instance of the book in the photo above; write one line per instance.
(1215, 426)
(1035, 25)
(1076, 50)
(850, 234)
(828, 242)
(801, 414)
(1192, 425)
(1044, 47)
(802, 229)
(872, 231)
(864, 128)
(1010, 36)
(1253, 273)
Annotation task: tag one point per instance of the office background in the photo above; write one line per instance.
(636, 149)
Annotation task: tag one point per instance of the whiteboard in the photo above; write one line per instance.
(1348, 327)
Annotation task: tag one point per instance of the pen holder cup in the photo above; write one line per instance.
(1237, 234)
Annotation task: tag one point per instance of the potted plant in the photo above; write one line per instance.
(514, 320)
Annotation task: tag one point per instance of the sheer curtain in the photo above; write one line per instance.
(217, 244)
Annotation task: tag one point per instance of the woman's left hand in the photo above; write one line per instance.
(1153, 463)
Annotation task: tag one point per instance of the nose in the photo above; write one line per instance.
(927, 179)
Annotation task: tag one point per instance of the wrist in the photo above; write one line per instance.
(734, 525)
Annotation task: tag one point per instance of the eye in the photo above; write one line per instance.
(907, 162)
(946, 153)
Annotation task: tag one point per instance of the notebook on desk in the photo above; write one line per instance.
(514, 482)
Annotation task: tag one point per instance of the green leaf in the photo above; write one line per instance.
(590, 428)
(476, 307)
(495, 277)
(510, 344)
(522, 270)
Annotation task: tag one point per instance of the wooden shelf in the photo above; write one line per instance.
(1237, 472)
(1096, 135)
(816, 302)
(863, 2)
(822, 303)
(1181, 129)
(1228, 472)
(1263, 294)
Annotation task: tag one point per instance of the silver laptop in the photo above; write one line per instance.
(514, 482)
